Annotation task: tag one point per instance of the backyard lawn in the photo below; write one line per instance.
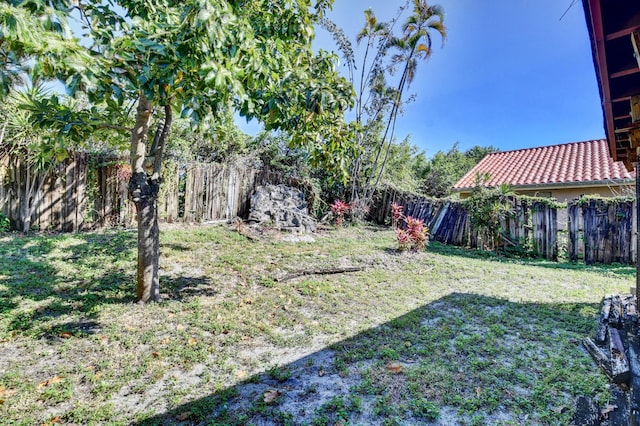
(447, 336)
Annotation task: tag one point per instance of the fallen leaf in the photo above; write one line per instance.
(165, 341)
(49, 382)
(192, 341)
(102, 337)
(184, 416)
(608, 409)
(5, 393)
(56, 419)
(394, 367)
(155, 354)
(271, 396)
(66, 335)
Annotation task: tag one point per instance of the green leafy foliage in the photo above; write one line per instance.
(444, 169)
(200, 57)
(488, 207)
(5, 223)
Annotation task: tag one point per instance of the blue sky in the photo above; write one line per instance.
(511, 74)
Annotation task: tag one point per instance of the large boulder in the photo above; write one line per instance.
(283, 207)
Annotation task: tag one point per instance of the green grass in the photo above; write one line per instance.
(480, 339)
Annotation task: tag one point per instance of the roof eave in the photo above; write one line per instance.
(560, 185)
(593, 16)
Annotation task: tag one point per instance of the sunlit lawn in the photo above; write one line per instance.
(443, 337)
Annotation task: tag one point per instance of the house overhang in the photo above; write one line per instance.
(614, 30)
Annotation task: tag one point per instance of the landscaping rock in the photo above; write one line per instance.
(283, 207)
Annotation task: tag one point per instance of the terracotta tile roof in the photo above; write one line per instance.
(579, 162)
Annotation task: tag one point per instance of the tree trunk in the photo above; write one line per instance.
(144, 193)
(145, 196)
(23, 189)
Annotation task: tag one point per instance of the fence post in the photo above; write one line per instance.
(574, 236)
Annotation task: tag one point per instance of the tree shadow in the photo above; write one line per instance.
(462, 358)
(177, 247)
(46, 278)
(454, 251)
(185, 287)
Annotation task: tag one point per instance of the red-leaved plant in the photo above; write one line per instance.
(396, 214)
(339, 208)
(415, 237)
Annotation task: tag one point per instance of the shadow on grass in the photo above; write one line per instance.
(448, 250)
(184, 288)
(44, 279)
(462, 359)
(56, 283)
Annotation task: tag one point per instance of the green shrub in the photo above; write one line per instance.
(5, 223)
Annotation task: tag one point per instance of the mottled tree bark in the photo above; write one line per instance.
(143, 190)
(144, 194)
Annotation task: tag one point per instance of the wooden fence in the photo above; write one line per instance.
(598, 230)
(55, 200)
(217, 191)
(603, 230)
(75, 196)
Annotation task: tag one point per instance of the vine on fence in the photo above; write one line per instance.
(488, 208)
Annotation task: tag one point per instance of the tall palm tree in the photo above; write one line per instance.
(415, 44)
(371, 76)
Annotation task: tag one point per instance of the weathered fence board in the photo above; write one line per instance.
(545, 230)
(217, 191)
(573, 247)
(73, 197)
